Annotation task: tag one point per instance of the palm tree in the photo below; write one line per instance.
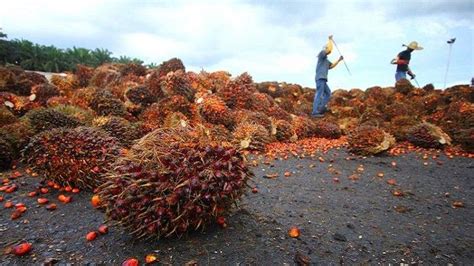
(101, 56)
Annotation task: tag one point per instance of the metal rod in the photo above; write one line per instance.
(447, 66)
(417, 83)
(344, 61)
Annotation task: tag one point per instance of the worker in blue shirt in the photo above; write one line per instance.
(403, 59)
(323, 93)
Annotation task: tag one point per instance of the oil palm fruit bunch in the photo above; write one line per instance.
(168, 184)
(465, 137)
(13, 137)
(105, 103)
(140, 95)
(369, 140)
(6, 153)
(214, 110)
(397, 109)
(372, 116)
(403, 86)
(271, 88)
(72, 156)
(400, 126)
(278, 113)
(65, 83)
(132, 69)
(250, 136)
(177, 83)
(170, 65)
(84, 116)
(42, 119)
(304, 127)
(237, 93)
(57, 100)
(6, 116)
(43, 92)
(210, 133)
(326, 129)
(261, 102)
(118, 127)
(427, 135)
(83, 97)
(7, 79)
(284, 131)
(175, 119)
(105, 75)
(253, 117)
(83, 75)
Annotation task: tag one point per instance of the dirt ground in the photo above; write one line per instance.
(344, 207)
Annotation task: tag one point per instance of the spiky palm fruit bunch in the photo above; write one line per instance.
(376, 96)
(465, 137)
(397, 109)
(23, 85)
(105, 103)
(250, 136)
(214, 134)
(175, 119)
(42, 119)
(66, 83)
(171, 65)
(180, 186)
(7, 79)
(304, 127)
(372, 116)
(261, 102)
(427, 135)
(259, 118)
(105, 75)
(177, 83)
(43, 92)
(369, 140)
(6, 154)
(72, 156)
(431, 102)
(278, 113)
(200, 82)
(83, 75)
(237, 93)
(292, 91)
(214, 110)
(57, 100)
(84, 116)
(13, 137)
(459, 93)
(35, 78)
(348, 124)
(83, 97)
(153, 83)
(271, 88)
(140, 95)
(326, 129)
(119, 90)
(6, 116)
(286, 104)
(458, 115)
(284, 131)
(132, 69)
(400, 126)
(403, 86)
(120, 128)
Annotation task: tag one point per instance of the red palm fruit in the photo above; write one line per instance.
(51, 207)
(8, 204)
(64, 199)
(22, 249)
(103, 229)
(42, 200)
(130, 262)
(91, 236)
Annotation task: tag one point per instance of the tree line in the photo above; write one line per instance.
(33, 56)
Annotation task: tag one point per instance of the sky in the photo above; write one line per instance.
(271, 40)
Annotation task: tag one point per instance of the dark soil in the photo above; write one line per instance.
(350, 221)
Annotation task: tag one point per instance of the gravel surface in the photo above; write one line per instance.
(343, 206)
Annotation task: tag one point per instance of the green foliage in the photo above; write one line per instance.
(38, 57)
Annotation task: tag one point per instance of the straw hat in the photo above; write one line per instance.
(414, 46)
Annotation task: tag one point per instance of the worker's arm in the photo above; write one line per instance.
(337, 62)
(398, 61)
(329, 45)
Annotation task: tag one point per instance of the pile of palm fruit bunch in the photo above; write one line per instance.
(170, 182)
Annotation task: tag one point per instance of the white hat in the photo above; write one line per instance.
(414, 46)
